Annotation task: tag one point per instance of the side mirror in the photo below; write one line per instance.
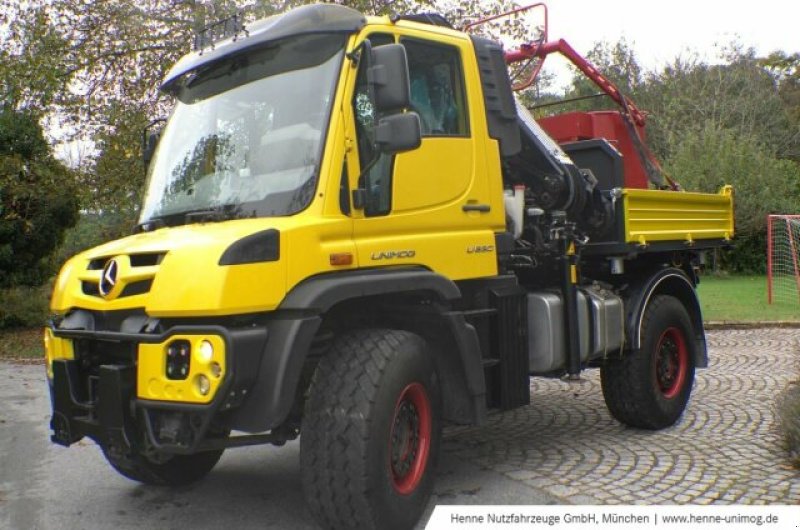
(149, 147)
(150, 141)
(398, 132)
(388, 75)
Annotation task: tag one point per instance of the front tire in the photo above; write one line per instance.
(175, 470)
(371, 432)
(650, 387)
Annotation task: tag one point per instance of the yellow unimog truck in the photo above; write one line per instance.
(353, 233)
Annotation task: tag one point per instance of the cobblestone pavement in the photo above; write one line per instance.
(726, 448)
(563, 448)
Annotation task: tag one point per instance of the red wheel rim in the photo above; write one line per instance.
(672, 362)
(410, 438)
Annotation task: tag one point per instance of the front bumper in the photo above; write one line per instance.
(95, 395)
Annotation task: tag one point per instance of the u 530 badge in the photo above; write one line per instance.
(479, 249)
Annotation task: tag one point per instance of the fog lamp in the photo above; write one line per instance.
(203, 384)
(216, 369)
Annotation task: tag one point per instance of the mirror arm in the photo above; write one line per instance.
(355, 55)
(358, 52)
(360, 193)
(147, 148)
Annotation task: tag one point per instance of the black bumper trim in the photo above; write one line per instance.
(105, 420)
(115, 415)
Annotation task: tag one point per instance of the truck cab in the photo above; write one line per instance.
(353, 233)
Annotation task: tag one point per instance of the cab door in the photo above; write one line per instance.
(431, 206)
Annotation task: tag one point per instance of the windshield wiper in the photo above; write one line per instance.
(151, 224)
(210, 215)
(204, 215)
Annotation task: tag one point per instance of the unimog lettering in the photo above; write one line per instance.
(393, 254)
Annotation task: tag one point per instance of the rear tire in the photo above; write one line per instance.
(371, 432)
(650, 387)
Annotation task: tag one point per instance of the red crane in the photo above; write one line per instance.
(624, 129)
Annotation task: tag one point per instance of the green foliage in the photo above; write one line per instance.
(37, 201)
(33, 62)
(24, 306)
(91, 230)
(740, 96)
(785, 69)
(617, 62)
(709, 157)
(117, 177)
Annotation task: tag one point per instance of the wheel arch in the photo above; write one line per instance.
(318, 300)
(672, 282)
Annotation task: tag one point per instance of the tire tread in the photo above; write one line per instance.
(336, 425)
(626, 384)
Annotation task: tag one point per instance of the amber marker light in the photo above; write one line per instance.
(341, 258)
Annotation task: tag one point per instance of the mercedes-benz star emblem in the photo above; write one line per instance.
(109, 278)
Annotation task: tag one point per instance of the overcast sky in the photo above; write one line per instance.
(660, 31)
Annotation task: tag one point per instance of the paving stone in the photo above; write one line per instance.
(725, 449)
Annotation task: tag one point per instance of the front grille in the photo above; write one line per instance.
(140, 287)
(148, 259)
(91, 287)
(132, 289)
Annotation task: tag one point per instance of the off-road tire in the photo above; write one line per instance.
(649, 388)
(177, 470)
(364, 393)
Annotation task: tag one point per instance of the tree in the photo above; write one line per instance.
(96, 67)
(709, 157)
(37, 201)
(740, 96)
(785, 69)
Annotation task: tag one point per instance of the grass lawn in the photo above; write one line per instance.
(743, 299)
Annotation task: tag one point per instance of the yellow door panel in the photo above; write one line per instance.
(427, 224)
(437, 173)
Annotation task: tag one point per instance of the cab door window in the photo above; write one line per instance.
(437, 87)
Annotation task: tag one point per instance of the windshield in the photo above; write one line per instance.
(246, 136)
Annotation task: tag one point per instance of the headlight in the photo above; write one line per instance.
(205, 352)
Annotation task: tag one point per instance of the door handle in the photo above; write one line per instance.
(472, 207)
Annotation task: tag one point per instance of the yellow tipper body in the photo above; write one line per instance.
(655, 215)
